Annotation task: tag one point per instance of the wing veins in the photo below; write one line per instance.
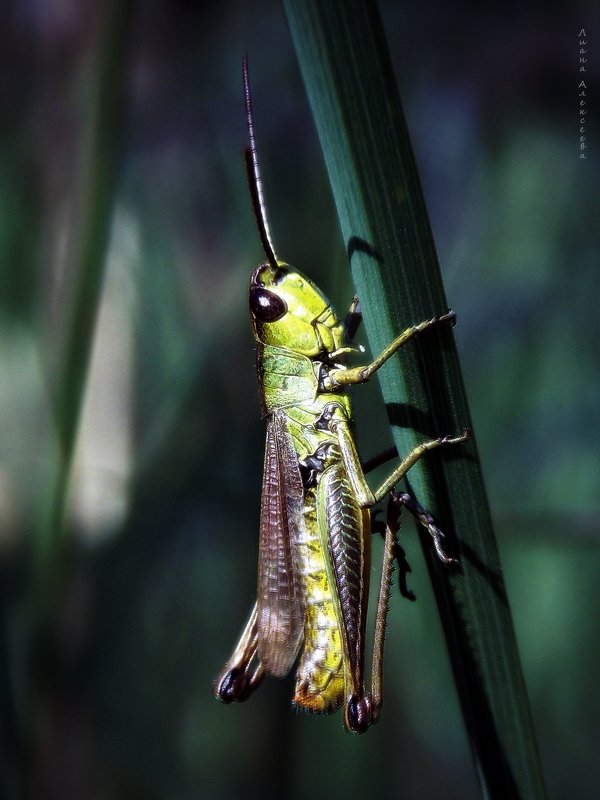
(280, 602)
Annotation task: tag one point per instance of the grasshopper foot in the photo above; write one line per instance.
(426, 520)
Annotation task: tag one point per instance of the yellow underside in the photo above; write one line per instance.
(320, 673)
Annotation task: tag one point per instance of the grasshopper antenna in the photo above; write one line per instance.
(254, 179)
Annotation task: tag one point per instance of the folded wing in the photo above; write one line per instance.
(280, 603)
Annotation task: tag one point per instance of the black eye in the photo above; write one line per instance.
(265, 305)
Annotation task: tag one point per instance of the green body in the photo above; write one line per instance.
(314, 545)
(329, 546)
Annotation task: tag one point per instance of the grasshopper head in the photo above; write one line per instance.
(288, 310)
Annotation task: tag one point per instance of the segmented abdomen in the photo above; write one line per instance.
(332, 565)
(320, 673)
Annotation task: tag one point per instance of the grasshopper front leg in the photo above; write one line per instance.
(353, 319)
(344, 376)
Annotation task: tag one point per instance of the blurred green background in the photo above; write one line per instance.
(124, 589)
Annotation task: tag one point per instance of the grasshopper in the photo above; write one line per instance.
(315, 520)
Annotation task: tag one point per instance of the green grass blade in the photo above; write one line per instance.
(346, 68)
(102, 130)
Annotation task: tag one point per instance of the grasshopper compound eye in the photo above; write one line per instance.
(266, 305)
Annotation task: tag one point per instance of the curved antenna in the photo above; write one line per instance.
(254, 180)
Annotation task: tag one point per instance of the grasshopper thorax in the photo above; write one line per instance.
(287, 310)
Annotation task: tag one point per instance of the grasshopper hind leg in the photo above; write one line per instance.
(405, 500)
(399, 554)
(363, 711)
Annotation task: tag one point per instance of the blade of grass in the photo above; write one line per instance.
(33, 698)
(102, 132)
(346, 68)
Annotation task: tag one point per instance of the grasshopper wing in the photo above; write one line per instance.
(280, 603)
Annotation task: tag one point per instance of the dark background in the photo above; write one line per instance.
(157, 571)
